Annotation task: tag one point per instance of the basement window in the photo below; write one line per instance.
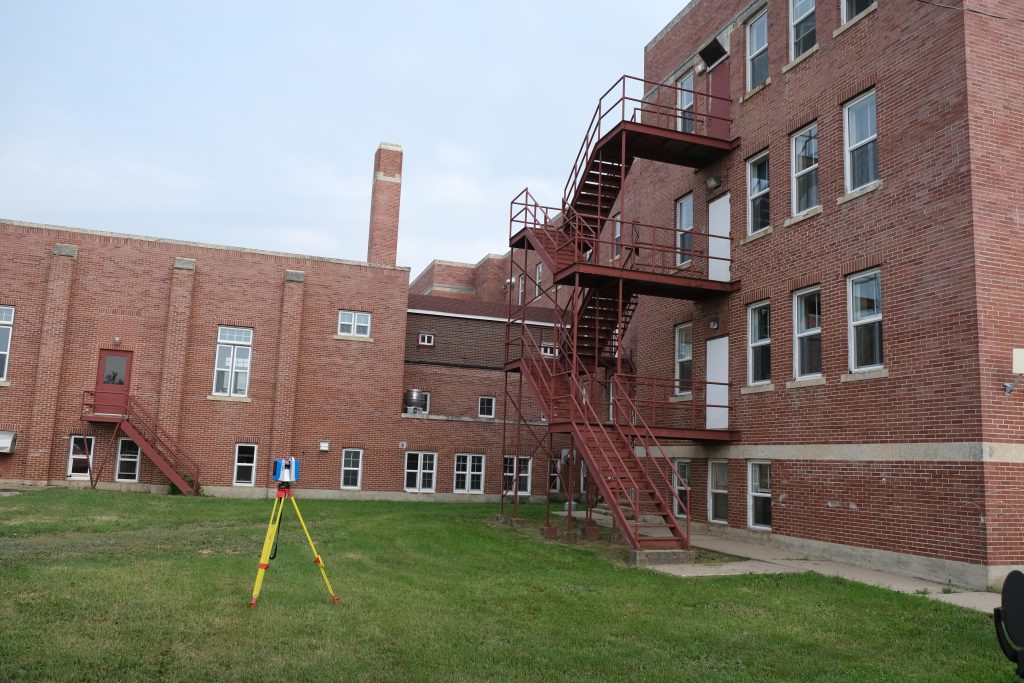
(426, 339)
(681, 482)
(760, 499)
(127, 461)
(351, 468)
(469, 473)
(245, 464)
(80, 457)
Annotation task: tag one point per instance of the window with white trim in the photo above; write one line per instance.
(802, 28)
(548, 350)
(757, 51)
(861, 141)
(617, 222)
(805, 169)
(853, 8)
(425, 339)
(508, 476)
(6, 330)
(485, 406)
(759, 502)
(759, 344)
(865, 301)
(554, 484)
(127, 467)
(419, 472)
(609, 394)
(807, 331)
(80, 457)
(469, 473)
(684, 230)
(352, 468)
(245, 464)
(522, 288)
(684, 359)
(718, 491)
(538, 273)
(426, 396)
(354, 323)
(758, 214)
(685, 104)
(681, 482)
(233, 360)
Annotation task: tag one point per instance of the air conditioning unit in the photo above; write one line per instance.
(7, 441)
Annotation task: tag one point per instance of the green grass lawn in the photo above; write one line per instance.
(111, 586)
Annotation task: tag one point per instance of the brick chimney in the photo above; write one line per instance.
(384, 204)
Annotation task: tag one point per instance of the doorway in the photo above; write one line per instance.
(113, 381)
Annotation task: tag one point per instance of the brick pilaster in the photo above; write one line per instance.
(179, 313)
(282, 424)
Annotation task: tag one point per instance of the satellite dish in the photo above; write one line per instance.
(1009, 620)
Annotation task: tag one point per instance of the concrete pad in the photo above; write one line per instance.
(650, 558)
(725, 569)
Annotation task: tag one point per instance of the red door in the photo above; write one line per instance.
(113, 379)
(718, 103)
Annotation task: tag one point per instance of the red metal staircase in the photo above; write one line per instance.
(158, 446)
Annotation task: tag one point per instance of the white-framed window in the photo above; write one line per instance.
(6, 330)
(522, 288)
(681, 482)
(685, 104)
(425, 339)
(127, 467)
(757, 51)
(354, 323)
(419, 472)
(469, 473)
(485, 406)
(861, 141)
(245, 464)
(554, 484)
(759, 343)
(759, 502)
(508, 476)
(548, 350)
(853, 8)
(802, 29)
(684, 230)
(758, 208)
(538, 273)
(80, 457)
(807, 333)
(352, 468)
(609, 394)
(234, 358)
(865, 302)
(718, 491)
(426, 410)
(805, 169)
(684, 359)
(617, 227)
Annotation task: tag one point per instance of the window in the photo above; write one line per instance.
(610, 396)
(426, 395)
(807, 309)
(861, 142)
(352, 468)
(509, 474)
(522, 288)
(802, 28)
(353, 324)
(548, 350)
(757, 51)
(865, 293)
(553, 483)
(681, 482)
(759, 503)
(234, 353)
(127, 461)
(684, 229)
(425, 339)
(718, 491)
(617, 219)
(485, 406)
(245, 464)
(538, 271)
(758, 217)
(6, 328)
(805, 169)
(853, 8)
(686, 119)
(419, 472)
(759, 344)
(80, 457)
(684, 359)
(469, 473)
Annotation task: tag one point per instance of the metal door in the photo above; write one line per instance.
(113, 380)
(718, 383)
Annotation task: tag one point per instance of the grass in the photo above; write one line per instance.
(101, 586)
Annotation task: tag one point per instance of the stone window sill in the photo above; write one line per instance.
(806, 382)
(757, 389)
(848, 25)
(809, 213)
(864, 375)
(763, 232)
(229, 399)
(750, 93)
(5, 383)
(681, 398)
(353, 337)
(800, 59)
(860, 192)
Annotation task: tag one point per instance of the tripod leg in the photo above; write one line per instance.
(316, 557)
(268, 544)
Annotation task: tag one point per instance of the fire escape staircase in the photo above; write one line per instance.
(139, 425)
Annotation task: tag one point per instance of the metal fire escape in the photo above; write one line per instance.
(600, 264)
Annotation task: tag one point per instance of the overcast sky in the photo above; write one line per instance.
(254, 123)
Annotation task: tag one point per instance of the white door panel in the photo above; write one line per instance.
(718, 383)
(719, 225)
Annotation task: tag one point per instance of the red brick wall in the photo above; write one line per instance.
(385, 204)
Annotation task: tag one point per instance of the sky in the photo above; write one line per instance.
(255, 123)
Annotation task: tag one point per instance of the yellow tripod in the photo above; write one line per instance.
(270, 542)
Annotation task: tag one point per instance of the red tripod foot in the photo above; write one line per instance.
(252, 603)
